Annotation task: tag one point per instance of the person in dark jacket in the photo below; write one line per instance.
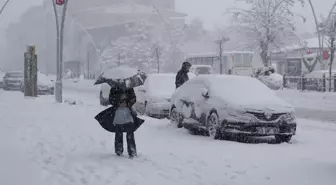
(182, 74)
(122, 102)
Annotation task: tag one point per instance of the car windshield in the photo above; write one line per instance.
(203, 70)
(241, 90)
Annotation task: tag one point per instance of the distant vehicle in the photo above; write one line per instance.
(234, 62)
(201, 69)
(45, 86)
(12, 80)
(225, 105)
(154, 96)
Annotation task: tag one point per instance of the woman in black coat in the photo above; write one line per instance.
(120, 98)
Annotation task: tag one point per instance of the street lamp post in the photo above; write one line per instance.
(59, 53)
(220, 42)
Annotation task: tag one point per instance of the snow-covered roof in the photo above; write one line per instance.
(214, 54)
(196, 65)
(107, 16)
(307, 43)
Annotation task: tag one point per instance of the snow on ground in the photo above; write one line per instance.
(309, 105)
(309, 100)
(312, 105)
(69, 147)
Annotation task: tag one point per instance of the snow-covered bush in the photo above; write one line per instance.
(268, 76)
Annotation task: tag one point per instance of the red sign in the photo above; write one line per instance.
(325, 55)
(60, 2)
(309, 51)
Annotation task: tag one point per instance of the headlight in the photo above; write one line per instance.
(289, 118)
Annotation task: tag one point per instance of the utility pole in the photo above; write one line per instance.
(59, 4)
(157, 52)
(220, 43)
(119, 58)
(88, 64)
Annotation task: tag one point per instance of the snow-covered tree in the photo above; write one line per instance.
(139, 48)
(132, 50)
(266, 24)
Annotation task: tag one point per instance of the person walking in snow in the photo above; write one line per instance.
(182, 74)
(124, 116)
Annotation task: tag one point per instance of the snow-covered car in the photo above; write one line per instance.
(224, 105)
(45, 85)
(154, 96)
(271, 79)
(201, 69)
(12, 80)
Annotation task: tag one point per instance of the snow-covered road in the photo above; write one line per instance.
(308, 105)
(69, 147)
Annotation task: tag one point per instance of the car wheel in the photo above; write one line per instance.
(102, 101)
(283, 139)
(213, 125)
(175, 117)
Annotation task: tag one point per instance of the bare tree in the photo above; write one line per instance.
(266, 24)
(328, 29)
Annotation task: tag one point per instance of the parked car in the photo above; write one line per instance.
(201, 69)
(12, 80)
(45, 85)
(154, 96)
(225, 105)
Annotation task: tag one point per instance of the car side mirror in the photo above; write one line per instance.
(205, 93)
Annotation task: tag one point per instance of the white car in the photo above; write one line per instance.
(154, 96)
(225, 105)
(45, 86)
(201, 69)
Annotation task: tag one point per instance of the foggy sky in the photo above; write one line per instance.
(210, 11)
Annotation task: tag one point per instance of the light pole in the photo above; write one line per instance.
(220, 42)
(59, 53)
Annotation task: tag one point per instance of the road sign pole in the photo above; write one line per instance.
(59, 52)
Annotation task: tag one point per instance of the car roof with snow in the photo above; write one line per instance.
(216, 77)
(194, 66)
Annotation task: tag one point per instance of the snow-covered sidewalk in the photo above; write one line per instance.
(69, 147)
(310, 100)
